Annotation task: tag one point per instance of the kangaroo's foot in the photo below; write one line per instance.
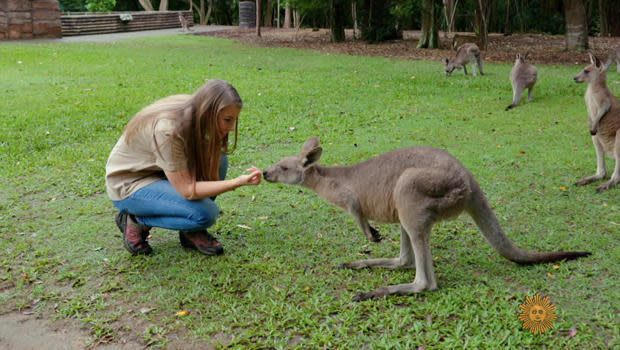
(590, 179)
(607, 185)
(386, 263)
(401, 289)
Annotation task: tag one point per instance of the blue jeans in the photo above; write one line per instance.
(160, 205)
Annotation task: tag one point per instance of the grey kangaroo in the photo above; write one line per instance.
(522, 76)
(184, 23)
(466, 52)
(416, 187)
(604, 116)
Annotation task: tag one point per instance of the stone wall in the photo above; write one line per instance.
(24, 19)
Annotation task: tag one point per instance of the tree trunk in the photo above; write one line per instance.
(430, 24)
(208, 14)
(258, 17)
(507, 29)
(481, 22)
(287, 16)
(605, 10)
(576, 27)
(146, 4)
(354, 17)
(450, 6)
(163, 5)
(336, 20)
(269, 14)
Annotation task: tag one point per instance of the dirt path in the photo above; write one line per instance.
(543, 48)
(27, 332)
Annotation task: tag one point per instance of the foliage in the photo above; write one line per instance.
(277, 286)
(100, 5)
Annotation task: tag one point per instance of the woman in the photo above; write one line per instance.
(170, 163)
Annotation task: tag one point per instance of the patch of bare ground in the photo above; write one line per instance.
(543, 48)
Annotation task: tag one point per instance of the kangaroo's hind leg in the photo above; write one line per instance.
(422, 197)
(615, 176)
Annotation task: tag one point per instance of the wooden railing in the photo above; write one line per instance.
(84, 23)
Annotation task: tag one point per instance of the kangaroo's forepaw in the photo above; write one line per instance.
(376, 237)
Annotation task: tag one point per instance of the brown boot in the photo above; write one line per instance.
(134, 234)
(202, 241)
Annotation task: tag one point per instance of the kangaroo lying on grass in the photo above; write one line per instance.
(466, 52)
(416, 187)
(522, 76)
(604, 114)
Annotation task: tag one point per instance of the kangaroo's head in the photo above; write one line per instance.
(448, 66)
(596, 71)
(290, 170)
(521, 58)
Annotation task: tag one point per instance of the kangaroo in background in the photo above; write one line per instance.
(184, 23)
(616, 57)
(522, 76)
(466, 52)
(416, 187)
(604, 116)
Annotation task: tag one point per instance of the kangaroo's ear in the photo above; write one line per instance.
(312, 157)
(445, 60)
(593, 58)
(518, 56)
(311, 143)
(527, 55)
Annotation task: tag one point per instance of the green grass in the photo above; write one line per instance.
(277, 286)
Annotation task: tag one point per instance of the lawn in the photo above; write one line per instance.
(278, 285)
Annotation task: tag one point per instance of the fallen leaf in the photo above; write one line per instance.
(556, 266)
(146, 310)
(550, 275)
(276, 288)
(244, 226)
(182, 313)
(319, 235)
(572, 332)
(521, 152)
(562, 188)
(306, 288)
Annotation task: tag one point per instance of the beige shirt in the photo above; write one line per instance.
(133, 166)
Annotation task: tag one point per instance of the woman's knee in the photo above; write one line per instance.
(204, 214)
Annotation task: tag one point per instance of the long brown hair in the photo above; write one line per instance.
(195, 119)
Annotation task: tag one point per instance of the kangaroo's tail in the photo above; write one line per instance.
(480, 210)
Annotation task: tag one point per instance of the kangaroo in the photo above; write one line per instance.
(523, 75)
(604, 116)
(466, 52)
(184, 23)
(615, 57)
(416, 187)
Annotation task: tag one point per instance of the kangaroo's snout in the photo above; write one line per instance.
(576, 79)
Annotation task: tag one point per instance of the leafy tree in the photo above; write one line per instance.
(100, 5)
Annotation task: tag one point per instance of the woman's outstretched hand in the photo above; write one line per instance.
(250, 179)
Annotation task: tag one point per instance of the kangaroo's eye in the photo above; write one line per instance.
(283, 168)
(586, 71)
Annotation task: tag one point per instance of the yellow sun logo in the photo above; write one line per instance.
(537, 314)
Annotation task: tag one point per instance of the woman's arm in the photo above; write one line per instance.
(183, 182)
